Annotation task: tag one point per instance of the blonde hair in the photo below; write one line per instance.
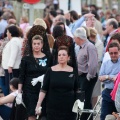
(39, 21)
(93, 32)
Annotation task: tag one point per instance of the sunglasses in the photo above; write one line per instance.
(115, 53)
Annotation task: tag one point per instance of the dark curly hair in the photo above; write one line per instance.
(36, 30)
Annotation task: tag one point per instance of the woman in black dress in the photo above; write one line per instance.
(33, 65)
(59, 86)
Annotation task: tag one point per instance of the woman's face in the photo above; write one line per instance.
(37, 45)
(8, 34)
(63, 57)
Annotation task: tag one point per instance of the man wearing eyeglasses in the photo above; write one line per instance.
(108, 71)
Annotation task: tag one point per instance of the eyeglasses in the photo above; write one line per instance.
(115, 53)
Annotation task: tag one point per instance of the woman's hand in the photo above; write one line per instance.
(9, 69)
(38, 110)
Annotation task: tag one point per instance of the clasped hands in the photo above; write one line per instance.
(106, 77)
(103, 78)
(36, 80)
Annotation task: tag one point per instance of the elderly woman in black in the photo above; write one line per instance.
(60, 86)
(33, 66)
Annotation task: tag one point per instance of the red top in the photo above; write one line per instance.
(31, 1)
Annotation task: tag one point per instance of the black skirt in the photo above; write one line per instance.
(57, 115)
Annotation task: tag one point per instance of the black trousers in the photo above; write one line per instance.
(87, 86)
(9, 76)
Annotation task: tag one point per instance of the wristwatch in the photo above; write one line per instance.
(106, 77)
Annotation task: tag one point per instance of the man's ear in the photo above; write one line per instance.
(119, 52)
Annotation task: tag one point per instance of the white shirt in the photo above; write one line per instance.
(106, 57)
(99, 46)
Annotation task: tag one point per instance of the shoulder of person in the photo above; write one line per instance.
(27, 58)
(54, 68)
(99, 43)
(14, 39)
(90, 46)
(70, 69)
(119, 59)
(107, 62)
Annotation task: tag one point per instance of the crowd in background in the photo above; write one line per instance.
(44, 66)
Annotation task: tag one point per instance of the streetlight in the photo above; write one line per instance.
(69, 4)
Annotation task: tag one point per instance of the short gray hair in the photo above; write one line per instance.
(81, 33)
(61, 18)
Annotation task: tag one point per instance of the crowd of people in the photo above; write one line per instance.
(44, 66)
